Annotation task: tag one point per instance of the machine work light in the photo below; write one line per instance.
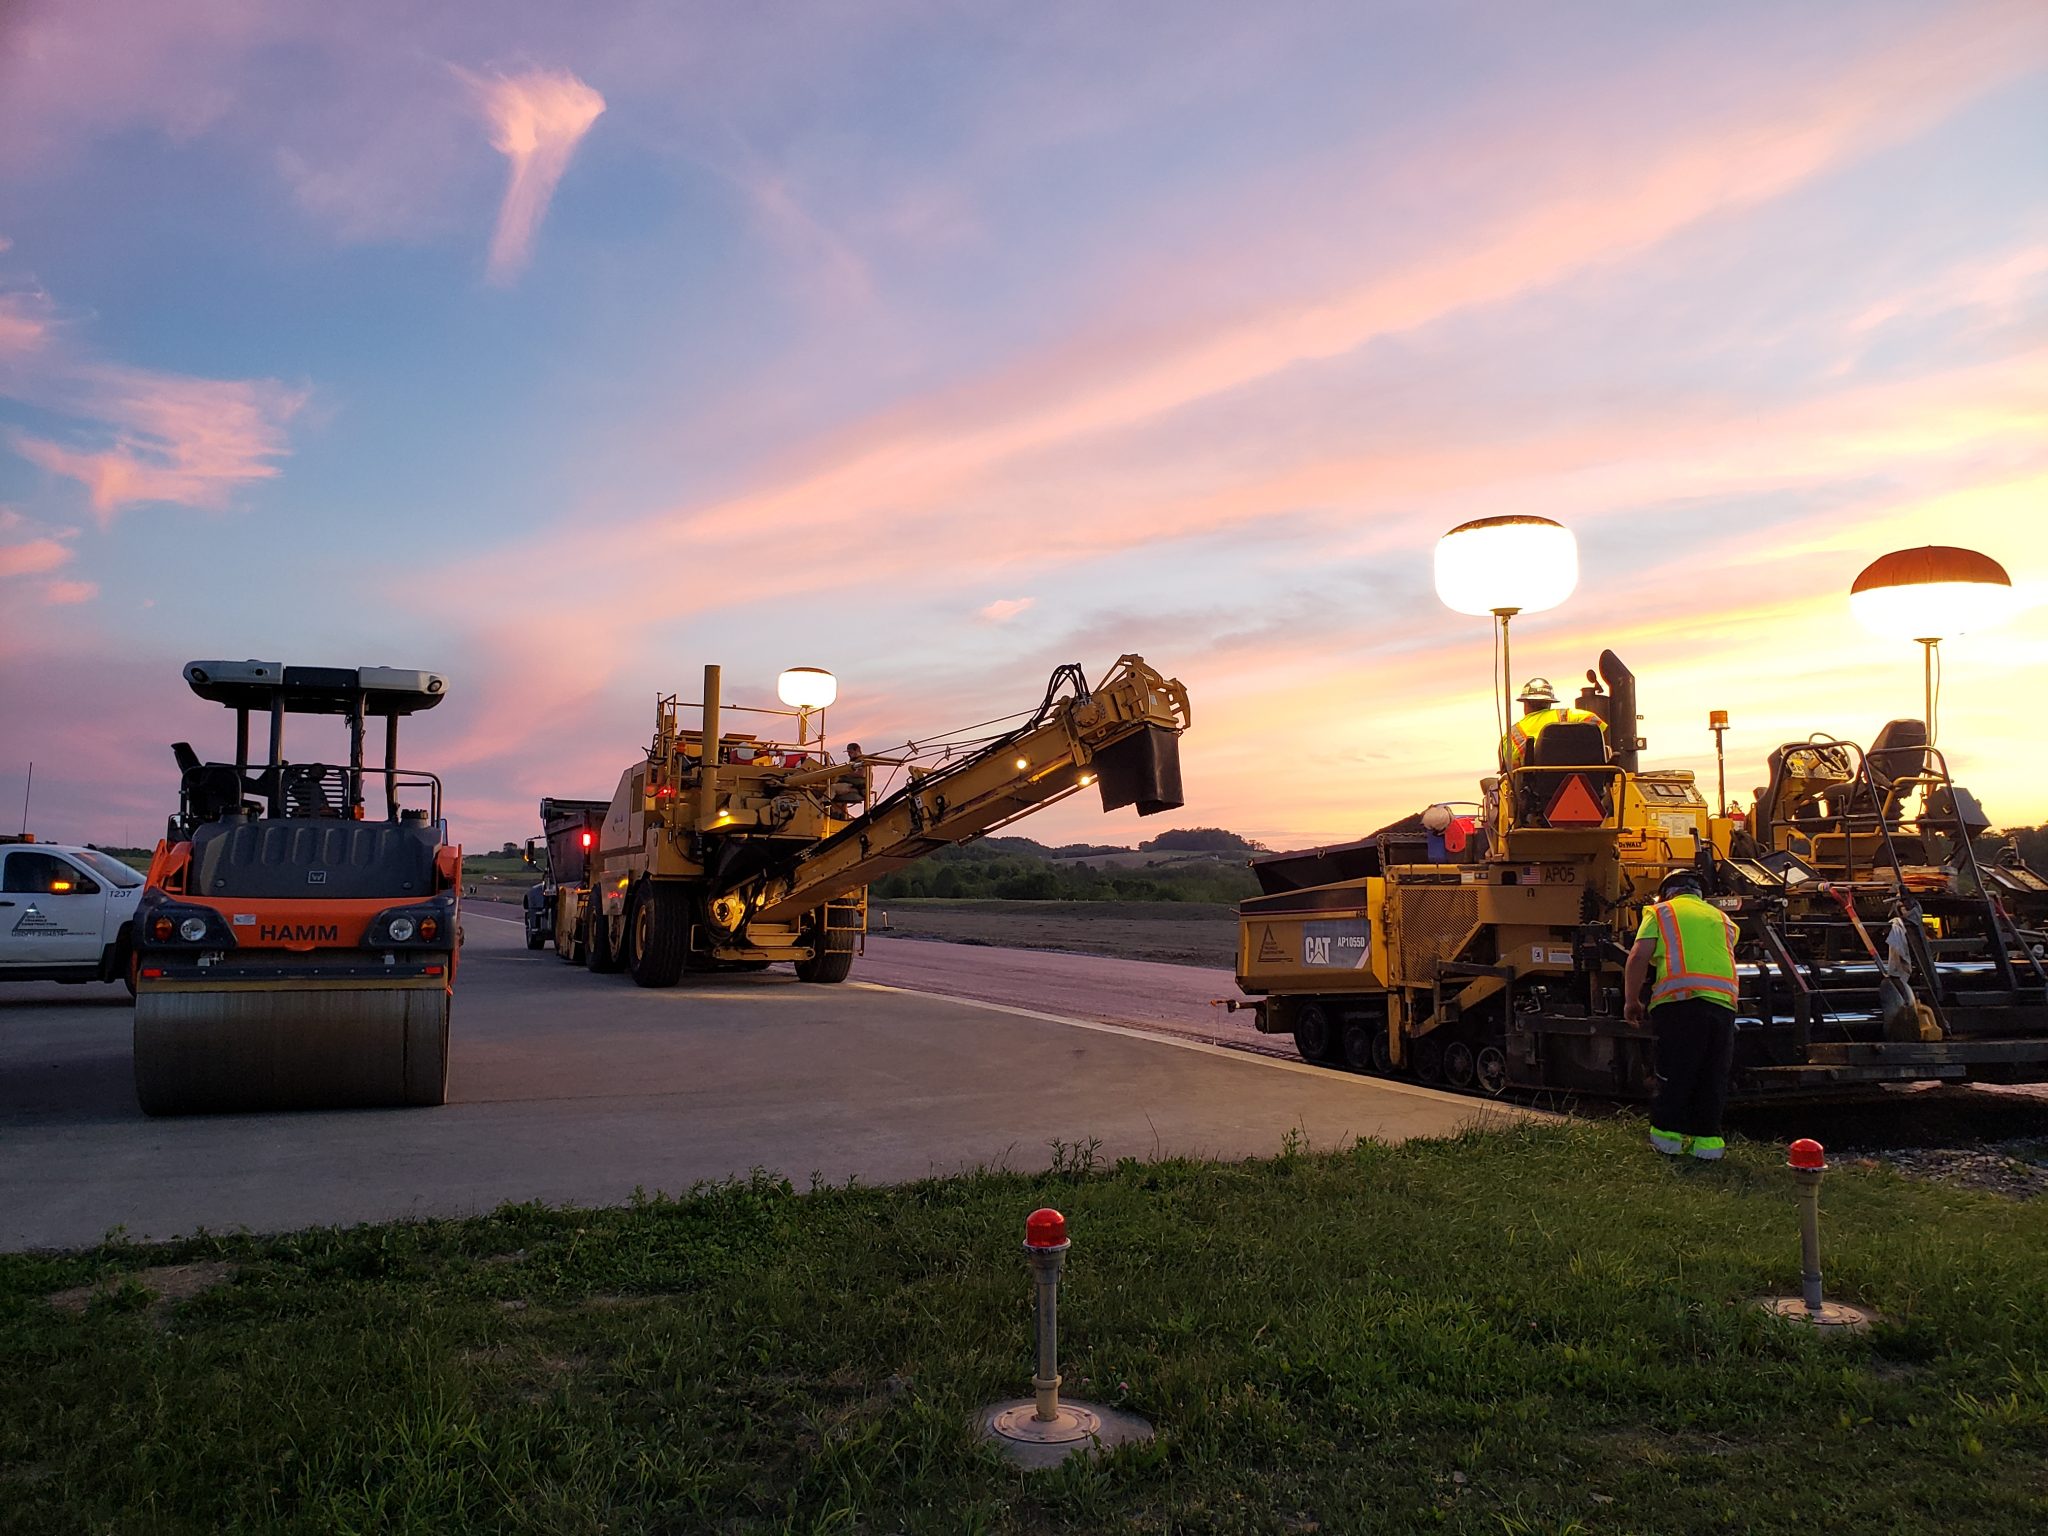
(806, 690)
(1929, 595)
(1504, 566)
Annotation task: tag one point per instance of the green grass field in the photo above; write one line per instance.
(1541, 1329)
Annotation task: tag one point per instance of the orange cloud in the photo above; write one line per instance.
(176, 438)
(537, 119)
(60, 594)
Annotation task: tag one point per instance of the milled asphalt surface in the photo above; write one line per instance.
(573, 1088)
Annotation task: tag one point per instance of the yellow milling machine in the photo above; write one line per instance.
(756, 851)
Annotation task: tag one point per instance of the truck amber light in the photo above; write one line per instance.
(162, 928)
(58, 887)
(1023, 762)
(428, 927)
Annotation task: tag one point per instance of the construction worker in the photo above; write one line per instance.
(1688, 945)
(1540, 711)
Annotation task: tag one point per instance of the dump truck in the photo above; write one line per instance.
(296, 941)
(1481, 946)
(568, 834)
(722, 849)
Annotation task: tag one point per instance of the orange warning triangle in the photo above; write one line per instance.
(1269, 947)
(1574, 806)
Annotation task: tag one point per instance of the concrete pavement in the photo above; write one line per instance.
(575, 1088)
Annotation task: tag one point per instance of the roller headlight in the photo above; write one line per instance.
(401, 929)
(192, 930)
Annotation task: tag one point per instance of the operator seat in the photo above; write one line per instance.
(1567, 745)
(1899, 752)
(209, 790)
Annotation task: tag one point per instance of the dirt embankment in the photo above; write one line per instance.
(1177, 932)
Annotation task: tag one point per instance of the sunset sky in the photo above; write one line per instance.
(563, 349)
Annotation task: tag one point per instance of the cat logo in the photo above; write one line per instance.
(299, 933)
(1269, 947)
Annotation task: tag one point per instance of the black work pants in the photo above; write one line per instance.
(1695, 1047)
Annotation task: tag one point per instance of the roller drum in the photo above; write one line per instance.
(200, 1051)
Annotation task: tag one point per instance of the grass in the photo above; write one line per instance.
(1538, 1329)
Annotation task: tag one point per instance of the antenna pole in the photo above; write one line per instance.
(25, 790)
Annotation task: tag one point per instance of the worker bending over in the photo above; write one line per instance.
(1540, 711)
(1689, 944)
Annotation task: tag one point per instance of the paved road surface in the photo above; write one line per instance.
(569, 1087)
(1181, 1000)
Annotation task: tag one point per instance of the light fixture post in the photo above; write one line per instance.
(1507, 667)
(1927, 644)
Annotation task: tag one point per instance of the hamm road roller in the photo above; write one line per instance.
(296, 945)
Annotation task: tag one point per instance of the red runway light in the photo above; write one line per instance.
(1806, 1153)
(1045, 1228)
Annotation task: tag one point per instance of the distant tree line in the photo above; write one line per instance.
(2032, 841)
(998, 869)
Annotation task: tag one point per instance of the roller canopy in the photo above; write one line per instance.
(315, 690)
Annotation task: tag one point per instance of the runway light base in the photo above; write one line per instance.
(1832, 1316)
(1078, 1429)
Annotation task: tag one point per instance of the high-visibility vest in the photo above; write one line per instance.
(1695, 950)
(1515, 746)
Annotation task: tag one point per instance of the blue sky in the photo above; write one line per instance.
(566, 351)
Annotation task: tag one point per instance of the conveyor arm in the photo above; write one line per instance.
(1121, 736)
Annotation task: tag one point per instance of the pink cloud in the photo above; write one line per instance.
(61, 594)
(176, 438)
(537, 119)
(1004, 609)
(23, 325)
(32, 557)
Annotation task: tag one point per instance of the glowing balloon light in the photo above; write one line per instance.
(1504, 566)
(1933, 593)
(1930, 595)
(1507, 565)
(807, 687)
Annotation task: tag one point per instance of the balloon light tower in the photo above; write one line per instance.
(1930, 595)
(808, 691)
(1504, 566)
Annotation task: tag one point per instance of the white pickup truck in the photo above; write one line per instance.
(64, 913)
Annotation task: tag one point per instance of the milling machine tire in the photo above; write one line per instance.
(661, 937)
(536, 940)
(224, 1050)
(834, 958)
(597, 940)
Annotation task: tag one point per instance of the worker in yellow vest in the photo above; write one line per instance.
(1540, 711)
(1688, 945)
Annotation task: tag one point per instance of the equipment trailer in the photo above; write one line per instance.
(1485, 952)
(296, 943)
(756, 852)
